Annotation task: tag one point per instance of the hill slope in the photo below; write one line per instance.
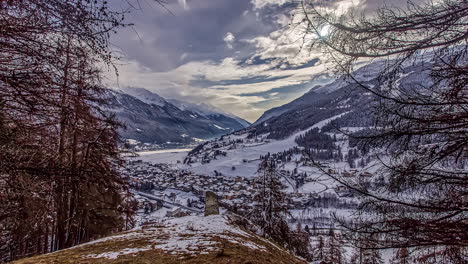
(190, 239)
(340, 96)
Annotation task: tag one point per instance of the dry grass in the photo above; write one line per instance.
(225, 251)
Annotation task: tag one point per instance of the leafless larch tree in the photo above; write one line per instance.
(59, 183)
(420, 127)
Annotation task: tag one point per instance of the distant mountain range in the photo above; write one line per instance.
(150, 118)
(206, 110)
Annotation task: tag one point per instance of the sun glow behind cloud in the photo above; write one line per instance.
(183, 4)
(246, 61)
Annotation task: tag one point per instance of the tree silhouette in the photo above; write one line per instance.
(420, 117)
(60, 158)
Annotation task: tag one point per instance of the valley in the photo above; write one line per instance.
(228, 166)
(151, 122)
(311, 141)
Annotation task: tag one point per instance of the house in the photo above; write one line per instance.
(177, 212)
(366, 174)
(348, 174)
(341, 188)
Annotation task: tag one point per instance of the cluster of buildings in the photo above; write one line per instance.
(154, 178)
(234, 193)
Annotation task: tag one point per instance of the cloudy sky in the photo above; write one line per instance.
(243, 56)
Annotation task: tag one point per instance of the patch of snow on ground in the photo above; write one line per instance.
(198, 139)
(132, 141)
(191, 233)
(114, 255)
(222, 128)
(125, 236)
(176, 245)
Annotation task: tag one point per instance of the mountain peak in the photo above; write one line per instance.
(206, 109)
(145, 95)
(151, 119)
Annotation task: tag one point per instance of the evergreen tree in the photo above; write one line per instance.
(365, 252)
(269, 210)
(270, 204)
(318, 250)
(334, 248)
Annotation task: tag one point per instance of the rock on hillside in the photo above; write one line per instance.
(190, 239)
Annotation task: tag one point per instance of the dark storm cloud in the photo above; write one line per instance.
(162, 41)
(240, 55)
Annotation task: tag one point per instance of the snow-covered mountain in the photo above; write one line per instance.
(311, 108)
(206, 110)
(340, 96)
(324, 96)
(150, 118)
(145, 96)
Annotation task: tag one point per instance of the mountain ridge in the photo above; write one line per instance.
(150, 118)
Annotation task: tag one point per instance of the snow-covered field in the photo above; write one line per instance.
(168, 156)
(245, 158)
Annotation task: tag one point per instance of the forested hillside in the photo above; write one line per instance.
(59, 156)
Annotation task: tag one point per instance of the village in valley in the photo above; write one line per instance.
(178, 189)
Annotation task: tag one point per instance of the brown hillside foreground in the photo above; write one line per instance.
(191, 239)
